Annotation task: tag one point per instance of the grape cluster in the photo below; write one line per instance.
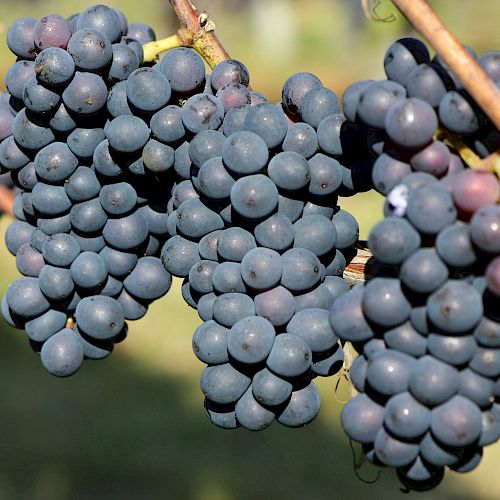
(427, 326)
(93, 184)
(259, 238)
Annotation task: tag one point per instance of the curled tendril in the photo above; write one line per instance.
(370, 9)
(358, 464)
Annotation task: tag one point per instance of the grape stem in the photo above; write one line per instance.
(6, 200)
(196, 30)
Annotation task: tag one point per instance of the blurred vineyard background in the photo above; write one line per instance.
(133, 425)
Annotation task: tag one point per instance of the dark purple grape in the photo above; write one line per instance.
(229, 71)
(295, 88)
(20, 37)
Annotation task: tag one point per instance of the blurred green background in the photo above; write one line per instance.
(133, 426)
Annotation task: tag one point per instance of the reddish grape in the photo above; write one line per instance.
(493, 276)
(473, 189)
(51, 31)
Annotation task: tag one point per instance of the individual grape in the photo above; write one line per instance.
(42, 327)
(362, 418)
(62, 353)
(83, 141)
(202, 273)
(296, 88)
(17, 234)
(326, 175)
(428, 82)
(50, 200)
(194, 219)
(202, 112)
(392, 240)
(401, 58)
(90, 49)
(233, 95)
(213, 180)
(28, 135)
(124, 62)
(301, 138)
(112, 288)
(405, 417)
(389, 372)
(407, 339)
(313, 326)
(127, 134)
(348, 320)
(490, 432)
(61, 121)
(347, 229)
(433, 159)
(301, 269)
(290, 356)
(267, 121)
(102, 18)
(303, 407)
(141, 32)
(269, 389)
(431, 209)
(38, 98)
(455, 308)
(350, 98)
(179, 255)
(290, 207)
(25, 298)
(245, 153)
(436, 453)
(52, 225)
(234, 120)
(220, 415)
(410, 123)
(205, 306)
(493, 276)
(250, 340)
(486, 362)
(156, 220)
(394, 452)
(118, 199)
(126, 233)
(251, 415)
(82, 185)
(388, 172)
(148, 90)
(316, 233)
(432, 381)
(100, 317)
(453, 350)
(204, 146)
(26, 177)
(20, 37)
(54, 67)
(229, 71)
(485, 228)
(473, 189)
(423, 271)
(229, 308)
(487, 332)
(117, 103)
(183, 191)
(456, 422)
(149, 280)
(88, 217)
(276, 233)
(276, 305)
(6, 122)
(17, 76)
(475, 387)
(254, 196)
(336, 286)
(208, 246)
(55, 163)
(317, 104)
(357, 373)
(166, 124)
(51, 31)
(261, 268)
(29, 262)
(56, 283)
(454, 245)
(457, 114)
(118, 263)
(330, 134)
(27, 205)
(86, 94)
(223, 384)
(375, 100)
(132, 308)
(60, 250)
(210, 343)
(89, 271)
(289, 171)
(184, 69)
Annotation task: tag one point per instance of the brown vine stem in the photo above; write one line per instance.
(196, 30)
(474, 79)
(6, 200)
